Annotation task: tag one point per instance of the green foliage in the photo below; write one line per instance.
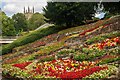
(108, 60)
(7, 25)
(31, 37)
(48, 49)
(107, 15)
(20, 22)
(68, 14)
(66, 51)
(95, 19)
(96, 53)
(92, 53)
(86, 50)
(102, 74)
(80, 57)
(112, 7)
(114, 51)
(47, 59)
(36, 21)
(103, 37)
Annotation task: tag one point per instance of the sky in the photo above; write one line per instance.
(11, 7)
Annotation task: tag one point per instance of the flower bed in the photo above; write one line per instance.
(93, 29)
(22, 65)
(67, 68)
(45, 61)
(82, 73)
(83, 33)
(65, 53)
(106, 43)
(103, 73)
(89, 54)
(108, 60)
(103, 37)
(107, 57)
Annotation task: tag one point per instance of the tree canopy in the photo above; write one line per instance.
(36, 20)
(69, 13)
(112, 7)
(7, 26)
(20, 22)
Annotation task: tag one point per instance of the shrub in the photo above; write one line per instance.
(31, 37)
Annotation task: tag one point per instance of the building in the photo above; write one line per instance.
(28, 12)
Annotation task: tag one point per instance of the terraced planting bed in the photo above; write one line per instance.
(85, 53)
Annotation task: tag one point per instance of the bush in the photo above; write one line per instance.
(31, 37)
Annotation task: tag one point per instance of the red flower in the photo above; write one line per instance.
(116, 40)
(101, 46)
(82, 73)
(22, 65)
(38, 70)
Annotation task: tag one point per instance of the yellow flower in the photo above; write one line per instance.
(72, 64)
(85, 62)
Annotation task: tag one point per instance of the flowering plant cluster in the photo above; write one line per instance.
(83, 33)
(106, 57)
(102, 73)
(82, 73)
(93, 29)
(51, 37)
(22, 65)
(107, 42)
(67, 68)
(44, 55)
(38, 43)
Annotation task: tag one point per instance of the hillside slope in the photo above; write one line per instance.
(96, 45)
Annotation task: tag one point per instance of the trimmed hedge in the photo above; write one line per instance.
(31, 37)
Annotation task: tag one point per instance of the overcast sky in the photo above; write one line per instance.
(11, 7)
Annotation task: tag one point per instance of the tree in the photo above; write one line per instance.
(68, 13)
(112, 7)
(20, 22)
(7, 26)
(36, 20)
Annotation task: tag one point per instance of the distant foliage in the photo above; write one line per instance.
(31, 37)
(20, 22)
(36, 21)
(7, 26)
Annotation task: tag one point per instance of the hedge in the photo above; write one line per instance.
(31, 37)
